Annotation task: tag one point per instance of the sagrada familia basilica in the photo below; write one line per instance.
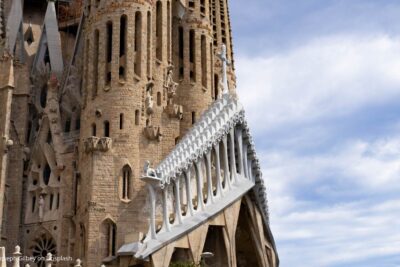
(122, 139)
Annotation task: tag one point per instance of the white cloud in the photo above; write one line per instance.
(347, 227)
(327, 77)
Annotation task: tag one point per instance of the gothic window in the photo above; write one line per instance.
(95, 62)
(121, 121)
(203, 8)
(191, 4)
(109, 31)
(43, 96)
(110, 238)
(58, 201)
(46, 174)
(204, 61)
(106, 129)
(216, 86)
(122, 46)
(138, 43)
(126, 182)
(159, 31)
(137, 117)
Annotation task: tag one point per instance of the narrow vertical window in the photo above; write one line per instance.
(94, 129)
(67, 128)
(203, 8)
(111, 238)
(51, 201)
(138, 43)
(78, 123)
(149, 46)
(33, 204)
(159, 99)
(106, 129)
(137, 117)
(121, 121)
(122, 47)
(159, 31)
(58, 200)
(181, 51)
(96, 63)
(204, 61)
(192, 55)
(109, 51)
(191, 4)
(169, 32)
(216, 86)
(193, 117)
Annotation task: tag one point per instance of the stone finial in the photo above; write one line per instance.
(49, 259)
(17, 255)
(78, 263)
(102, 265)
(27, 265)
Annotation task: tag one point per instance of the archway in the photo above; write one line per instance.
(215, 244)
(246, 252)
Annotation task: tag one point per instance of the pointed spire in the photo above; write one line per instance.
(14, 24)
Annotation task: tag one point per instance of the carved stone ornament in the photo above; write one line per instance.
(94, 143)
(149, 98)
(170, 85)
(153, 132)
(174, 111)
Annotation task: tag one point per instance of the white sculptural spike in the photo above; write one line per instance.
(225, 63)
(78, 263)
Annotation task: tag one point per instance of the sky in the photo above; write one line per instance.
(320, 81)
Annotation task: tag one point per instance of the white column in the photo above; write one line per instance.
(210, 193)
(239, 140)
(166, 225)
(3, 260)
(178, 209)
(188, 192)
(152, 230)
(49, 259)
(218, 170)
(246, 172)
(233, 159)
(226, 164)
(199, 180)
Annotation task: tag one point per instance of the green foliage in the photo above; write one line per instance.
(184, 264)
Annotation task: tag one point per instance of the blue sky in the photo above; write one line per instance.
(320, 80)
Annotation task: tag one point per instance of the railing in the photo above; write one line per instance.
(212, 167)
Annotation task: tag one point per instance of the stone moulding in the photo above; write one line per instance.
(93, 144)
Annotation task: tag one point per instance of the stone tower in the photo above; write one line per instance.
(123, 140)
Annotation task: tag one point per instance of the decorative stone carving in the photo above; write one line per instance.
(175, 111)
(90, 144)
(153, 132)
(104, 144)
(94, 143)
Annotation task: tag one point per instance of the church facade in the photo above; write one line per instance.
(123, 141)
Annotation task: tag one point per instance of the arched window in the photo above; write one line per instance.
(106, 129)
(192, 55)
(204, 61)
(181, 51)
(126, 183)
(110, 234)
(149, 46)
